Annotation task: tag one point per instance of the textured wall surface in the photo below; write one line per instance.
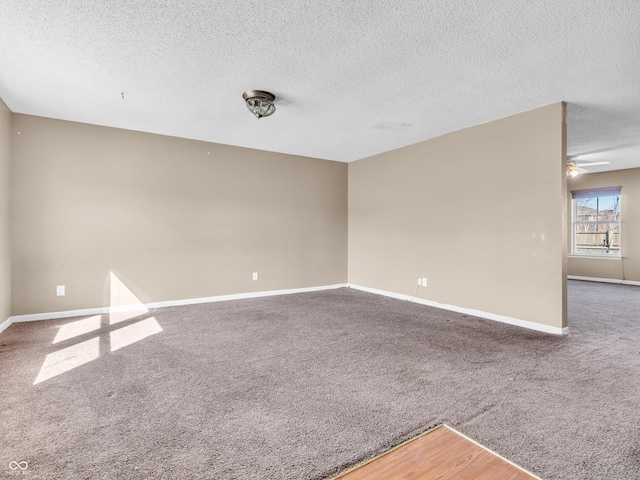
(170, 218)
(628, 267)
(5, 232)
(480, 213)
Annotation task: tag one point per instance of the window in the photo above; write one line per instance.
(596, 222)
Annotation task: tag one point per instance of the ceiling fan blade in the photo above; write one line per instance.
(590, 164)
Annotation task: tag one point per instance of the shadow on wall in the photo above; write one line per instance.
(126, 323)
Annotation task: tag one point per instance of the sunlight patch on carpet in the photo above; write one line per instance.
(62, 361)
(124, 306)
(133, 333)
(77, 328)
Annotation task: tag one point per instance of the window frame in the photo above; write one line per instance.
(595, 193)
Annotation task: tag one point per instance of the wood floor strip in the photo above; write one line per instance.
(441, 453)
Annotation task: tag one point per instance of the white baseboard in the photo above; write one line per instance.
(6, 324)
(239, 296)
(33, 317)
(468, 311)
(169, 303)
(236, 296)
(603, 280)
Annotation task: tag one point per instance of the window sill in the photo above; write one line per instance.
(595, 257)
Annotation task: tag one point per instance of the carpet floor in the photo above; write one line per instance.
(303, 386)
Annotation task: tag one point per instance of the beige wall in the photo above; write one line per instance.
(171, 218)
(5, 231)
(629, 267)
(176, 219)
(479, 212)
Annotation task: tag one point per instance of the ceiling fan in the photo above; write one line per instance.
(574, 168)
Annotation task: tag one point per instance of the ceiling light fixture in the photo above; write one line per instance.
(259, 102)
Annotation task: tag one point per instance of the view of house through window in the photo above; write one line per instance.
(596, 222)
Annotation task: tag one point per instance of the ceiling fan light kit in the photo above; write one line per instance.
(259, 102)
(574, 169)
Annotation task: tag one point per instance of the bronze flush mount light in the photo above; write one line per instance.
(259, 102)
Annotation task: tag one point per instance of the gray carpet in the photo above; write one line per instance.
(302, 386)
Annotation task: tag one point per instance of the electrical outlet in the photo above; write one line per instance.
(424, 281)
(255, 276)
(60, 290)
(419, 282)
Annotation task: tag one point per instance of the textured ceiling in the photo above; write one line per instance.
(352, 79)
